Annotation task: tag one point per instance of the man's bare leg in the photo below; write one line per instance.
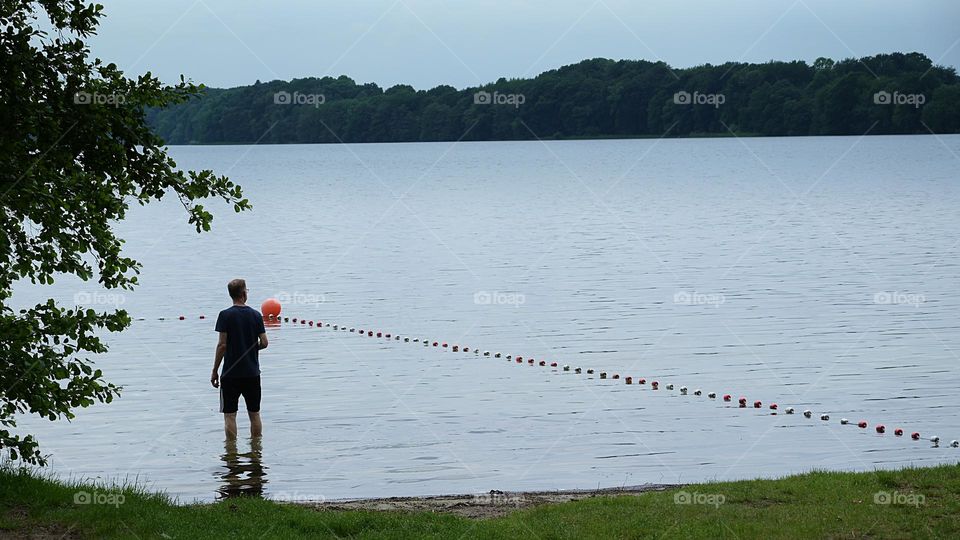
(230, 425)
(256, 426)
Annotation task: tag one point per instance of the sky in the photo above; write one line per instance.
(462, 43)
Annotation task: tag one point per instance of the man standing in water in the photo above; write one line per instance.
(242, 336)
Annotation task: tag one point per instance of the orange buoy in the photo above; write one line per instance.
(270, 308)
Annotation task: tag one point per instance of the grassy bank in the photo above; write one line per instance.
(911, 503)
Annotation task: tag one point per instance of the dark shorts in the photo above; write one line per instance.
(231, 389)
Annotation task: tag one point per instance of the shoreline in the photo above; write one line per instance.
(645, 137)
(495, 503)
(906, 503)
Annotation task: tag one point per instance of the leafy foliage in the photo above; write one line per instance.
(75, 150)
(594, 98)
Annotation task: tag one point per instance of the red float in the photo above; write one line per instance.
(270, 308)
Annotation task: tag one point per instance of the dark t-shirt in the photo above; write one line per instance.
(243, 326)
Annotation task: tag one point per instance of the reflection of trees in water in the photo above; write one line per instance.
(242, 474)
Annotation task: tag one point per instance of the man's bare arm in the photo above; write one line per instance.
(218, 359)
(262, 342)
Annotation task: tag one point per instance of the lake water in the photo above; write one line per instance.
(818, 273)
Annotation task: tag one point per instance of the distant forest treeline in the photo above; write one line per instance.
(884, 94)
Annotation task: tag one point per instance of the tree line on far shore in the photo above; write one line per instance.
(883, 94)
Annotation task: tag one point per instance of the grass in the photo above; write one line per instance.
(926, 504)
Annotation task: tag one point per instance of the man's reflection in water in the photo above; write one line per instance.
(244, 474)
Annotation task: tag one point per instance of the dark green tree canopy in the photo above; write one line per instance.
(594, 98)
(75, 151)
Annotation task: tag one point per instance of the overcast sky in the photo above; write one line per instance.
(464, 43)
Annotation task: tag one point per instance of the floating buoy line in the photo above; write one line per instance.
(641, 382)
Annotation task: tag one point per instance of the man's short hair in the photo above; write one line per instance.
(237, 288)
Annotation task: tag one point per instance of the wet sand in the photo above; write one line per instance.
(480, 506)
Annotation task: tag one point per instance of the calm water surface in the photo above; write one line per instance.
(819, 273)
